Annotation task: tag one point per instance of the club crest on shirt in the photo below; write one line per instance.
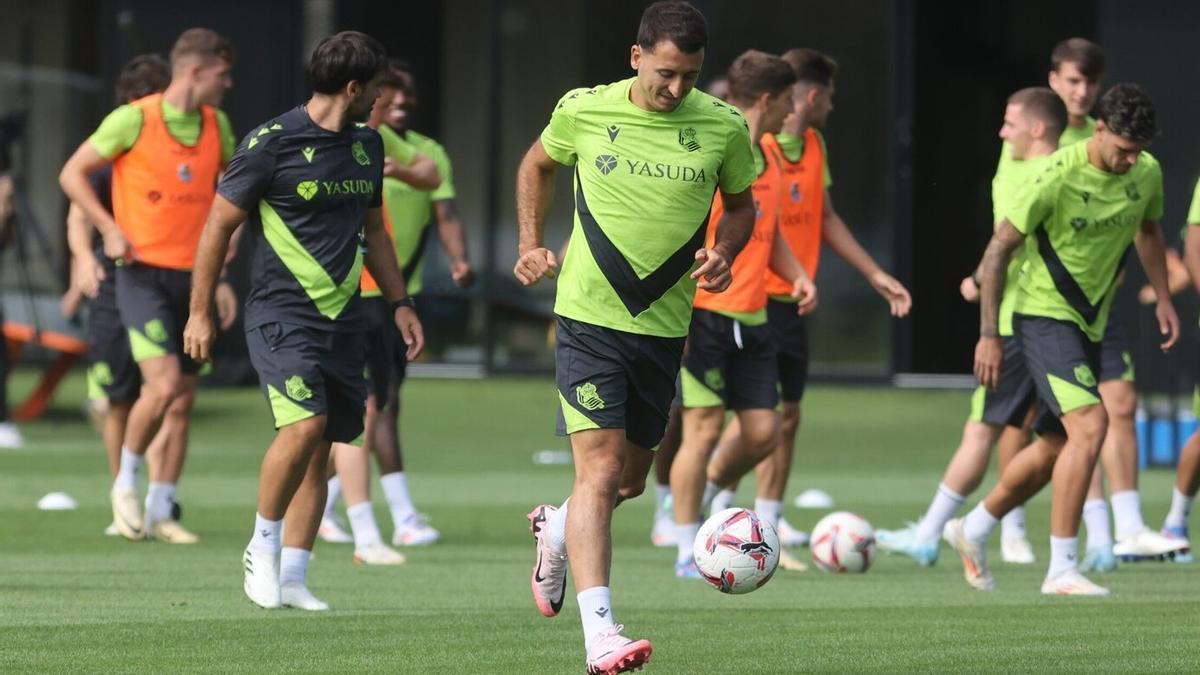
(687, 138)
(1131, 191)
(184, 172)
(794, 192)
(360, 155)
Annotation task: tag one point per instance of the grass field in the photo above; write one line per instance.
(72, 600)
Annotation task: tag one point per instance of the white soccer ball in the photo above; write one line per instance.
(736, 551)
(843, 542)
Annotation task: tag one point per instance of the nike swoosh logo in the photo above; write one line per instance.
(537, 574)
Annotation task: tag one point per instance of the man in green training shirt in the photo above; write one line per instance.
(166, 151)
(649, 153)
(1033, 122)
(1080, 216)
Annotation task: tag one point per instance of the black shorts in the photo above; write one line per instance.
(153, 304)
(387, 363)
(306, 372)
(610, 379)
(1009, 403)
(730, 364)
(791, 339)
(1116, 361)
(1063, 363)
(111, 367)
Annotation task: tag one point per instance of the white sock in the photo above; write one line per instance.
(293, 565)
(158, 501)
(978, 525)
(1095, 518)
(1063, 551)
(710, 491)
(1127, 513)
(363, 525)
(685, 538)
(945, 504)
(770, 510)
(1181, 508)
(556, 528)
(1012, 525)
(395, 491)
(595, 610)
(723, 500)
(127, 474)
(662, 495)
(335, 493)
(266, 535)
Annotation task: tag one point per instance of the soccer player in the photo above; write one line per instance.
(403, 167)
(1034, 120)
(730, 360)
(166, 151)
(10, 433)
(1187, 474)
(410, 210)
(1080, 214)
(808, 221)
(113, 377)
(310, 182)
(648, 152)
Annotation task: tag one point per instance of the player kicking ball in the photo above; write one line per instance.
(648, 153)
(309, 185)
(1081, 213)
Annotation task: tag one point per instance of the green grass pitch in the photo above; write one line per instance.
(73, 600)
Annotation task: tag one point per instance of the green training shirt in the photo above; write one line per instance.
(793, 149)
(1079, 222)
(410, 211)
(644, 184)
(121, 128)
(1005, 190)
(1193, 216)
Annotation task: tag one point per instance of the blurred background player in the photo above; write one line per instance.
(1034, 120)
(730, 359)
(808, 221)
(1187, 474)
(621, 333)
(1082, 214)
(412, 213)
(403, 166)
(305, 325)
(10, 433)
(166, 151)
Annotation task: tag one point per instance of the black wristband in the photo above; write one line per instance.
(406, 301)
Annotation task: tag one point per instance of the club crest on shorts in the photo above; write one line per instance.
(1084, 376)
(588, 397)
(156, 331)
(713, 379)
(102, 374)
(296, 389)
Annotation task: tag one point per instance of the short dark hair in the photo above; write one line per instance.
(811, 66)
(144, 75)
(1128, 112)
(202, 42)
(1045, 105)
(398, 75)
(755, 73)
(673, 21)
(348, 56)
(1087, 56)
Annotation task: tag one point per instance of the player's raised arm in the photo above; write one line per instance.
(535, 192)
(1151, 249)
(988, 353)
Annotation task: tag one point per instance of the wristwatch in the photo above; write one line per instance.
(406, 301)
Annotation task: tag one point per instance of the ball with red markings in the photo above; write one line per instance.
(843, 542)
(736, 551)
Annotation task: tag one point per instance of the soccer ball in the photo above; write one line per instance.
(736, 551)
(843, 542)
